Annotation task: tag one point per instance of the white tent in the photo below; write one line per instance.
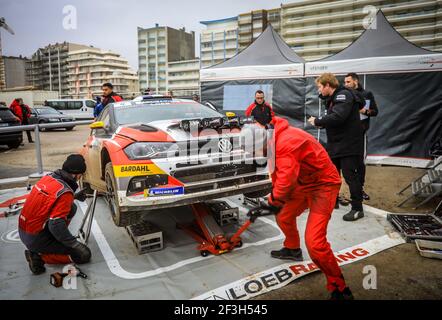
(268, 57)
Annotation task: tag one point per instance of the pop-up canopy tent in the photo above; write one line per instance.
(268, 64)
(406, 82)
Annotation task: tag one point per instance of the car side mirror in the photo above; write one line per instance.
(97, 125)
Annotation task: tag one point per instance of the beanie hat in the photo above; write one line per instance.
(74, 164)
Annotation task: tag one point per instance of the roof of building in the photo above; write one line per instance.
(207, 22)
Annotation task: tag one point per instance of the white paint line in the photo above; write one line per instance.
(115, 267)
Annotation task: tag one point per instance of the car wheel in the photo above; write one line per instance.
(121, 219)
(69, 128)
(41, 122)
(15, 144)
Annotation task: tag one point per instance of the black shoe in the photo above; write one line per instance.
(365, 196)
(337, 204)
(353, 215)
(36, 264)
(342, 295)
(288, 254)
(31, 141)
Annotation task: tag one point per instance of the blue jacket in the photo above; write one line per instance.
(97, 110)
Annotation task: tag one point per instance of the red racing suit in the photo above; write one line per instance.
(305, 177)
(50, 199)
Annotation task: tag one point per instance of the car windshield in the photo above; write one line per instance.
(47, 111)
(148, 112)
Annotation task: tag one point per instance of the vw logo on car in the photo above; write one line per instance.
(225, 146)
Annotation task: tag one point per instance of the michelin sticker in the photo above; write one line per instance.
(163, 191)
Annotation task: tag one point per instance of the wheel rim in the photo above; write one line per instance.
(110, 195)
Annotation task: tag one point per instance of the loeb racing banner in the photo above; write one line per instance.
(282, 275)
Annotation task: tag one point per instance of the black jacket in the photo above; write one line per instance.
(372, 110)
(342, 123)
(113, 97)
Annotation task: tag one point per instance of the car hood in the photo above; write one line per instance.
(168, 130)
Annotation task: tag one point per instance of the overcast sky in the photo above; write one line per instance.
(110, 24)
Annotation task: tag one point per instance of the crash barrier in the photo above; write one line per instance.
(36, 128)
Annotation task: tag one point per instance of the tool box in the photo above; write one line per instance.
(146, 237)
(419, 226)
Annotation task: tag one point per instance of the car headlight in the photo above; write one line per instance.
(151, 150)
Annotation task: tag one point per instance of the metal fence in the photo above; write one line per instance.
(36, 128)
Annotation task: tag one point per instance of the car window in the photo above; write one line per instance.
(90, 104)
(6, 115)
(75, 105)
(59, 105)
(105, 118)
(146, 113)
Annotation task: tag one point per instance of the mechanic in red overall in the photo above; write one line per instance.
(304, 177)
(45, 217)
(260, 110)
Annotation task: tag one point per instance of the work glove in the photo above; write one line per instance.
(264, 209)
(82, 253)
(81, 195)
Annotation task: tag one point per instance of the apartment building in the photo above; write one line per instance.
(157, 47)
(14, 72)
(219, 41)
(48, 66)
(89, 68)
(319, 28)
(183, 77)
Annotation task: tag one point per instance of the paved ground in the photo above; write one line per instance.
(402, 273)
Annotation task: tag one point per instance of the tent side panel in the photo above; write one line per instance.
(410, 113)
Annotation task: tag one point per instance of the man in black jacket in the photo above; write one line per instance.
(344, 136)
(370, 110)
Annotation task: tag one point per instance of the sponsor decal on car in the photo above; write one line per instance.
(163, 191)
(132, 170)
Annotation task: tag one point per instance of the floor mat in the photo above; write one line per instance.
(179, 271)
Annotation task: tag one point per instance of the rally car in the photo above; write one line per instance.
(156, 153)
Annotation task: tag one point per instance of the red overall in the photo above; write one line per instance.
(50, 198)
(305, 177)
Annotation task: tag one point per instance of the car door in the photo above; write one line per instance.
(94, 146)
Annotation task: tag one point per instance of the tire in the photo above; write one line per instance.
(121, 219)
(69, 128)
(204, 253)
(42, 122)
(15, 144)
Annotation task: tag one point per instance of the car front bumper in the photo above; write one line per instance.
(142, 203)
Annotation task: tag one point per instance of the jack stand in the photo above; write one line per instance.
(86, 224)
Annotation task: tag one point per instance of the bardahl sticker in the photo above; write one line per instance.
(132, 170)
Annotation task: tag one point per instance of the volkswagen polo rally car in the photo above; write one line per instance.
(159, 152)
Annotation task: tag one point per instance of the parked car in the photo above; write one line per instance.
(77, 108)
(143, 155)
(8, 119)
(40, 114)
